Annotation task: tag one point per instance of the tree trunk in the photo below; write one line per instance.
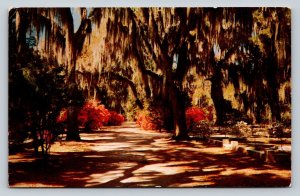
(273, 98)
(35, 142)
(259, 109)
(167, 116)
(177, 100)
(176, 95)
(72, 124)
(22, 26)
(272, 92)
(87, 126)
(217, 95)
(85, 29)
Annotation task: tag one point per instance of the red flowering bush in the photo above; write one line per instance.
(94, 115)
(194, 115)
(150, 120)
(115, 118)
(145, 122)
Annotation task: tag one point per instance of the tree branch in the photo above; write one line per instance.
(118, 77)
(153, 74)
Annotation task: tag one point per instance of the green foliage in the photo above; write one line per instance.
(277, 131)
(36, 94)
(242, 129)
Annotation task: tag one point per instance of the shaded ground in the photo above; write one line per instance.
(127, 156)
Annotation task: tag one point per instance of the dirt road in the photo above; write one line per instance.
(127, 156)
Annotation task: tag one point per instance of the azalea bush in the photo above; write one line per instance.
(93, 115)
(152, 119)
(147, 121)
(115, 118)
(195, 115)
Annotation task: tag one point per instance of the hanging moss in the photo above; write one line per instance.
(243, 50)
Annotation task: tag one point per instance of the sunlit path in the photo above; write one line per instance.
(126, 156)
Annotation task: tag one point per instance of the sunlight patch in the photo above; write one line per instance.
(212, 168)
(125, 165)
(26, 185)
(19, 158)
(97, 179)
(169, 168)
(253, 171)
(137, 179)
(192, 184)
(93, 156)
(111, 146)
(89, 137)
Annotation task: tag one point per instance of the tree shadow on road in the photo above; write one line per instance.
(122, 159)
